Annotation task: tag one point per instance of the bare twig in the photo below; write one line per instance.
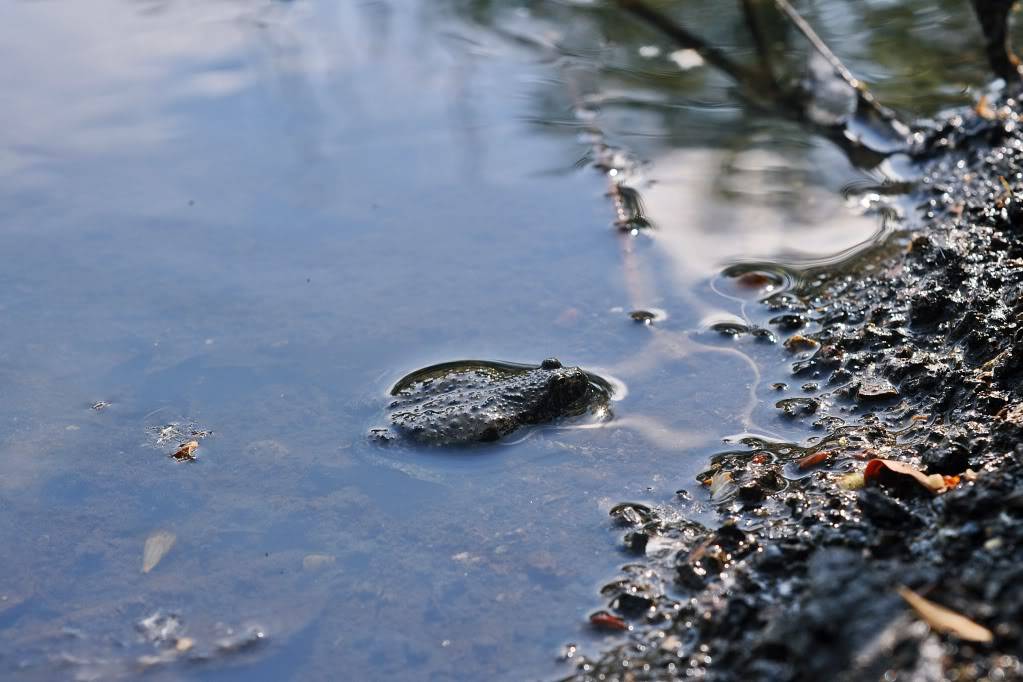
(865, 97)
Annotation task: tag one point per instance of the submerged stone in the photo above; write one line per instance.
(476, 401)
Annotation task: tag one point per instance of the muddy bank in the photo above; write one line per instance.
(913, 357)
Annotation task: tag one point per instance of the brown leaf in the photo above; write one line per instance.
(983, 109)
(798, 343)
(186, 451)
(887, 470)
(755, 280)
(945, 620)
(814, 459)
(605, 621)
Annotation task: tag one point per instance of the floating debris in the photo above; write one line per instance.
(156, 547)
(643, 316)
(186, 452)
(178, 432)
(160, 627)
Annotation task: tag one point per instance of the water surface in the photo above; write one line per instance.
(251, 218)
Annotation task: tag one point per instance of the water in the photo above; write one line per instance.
(251, 218)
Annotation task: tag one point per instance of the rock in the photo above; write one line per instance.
(473, 401)
(873, 389)
(947, 459)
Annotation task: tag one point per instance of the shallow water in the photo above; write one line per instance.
(252, 218)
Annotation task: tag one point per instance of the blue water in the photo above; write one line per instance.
(251, 218)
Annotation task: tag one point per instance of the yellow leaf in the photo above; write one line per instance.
(157, 545)
(945, 620)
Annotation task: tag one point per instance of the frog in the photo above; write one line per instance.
(480, 401)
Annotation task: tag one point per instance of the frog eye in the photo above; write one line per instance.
(551, 363)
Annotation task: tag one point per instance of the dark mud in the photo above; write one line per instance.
(914, 355)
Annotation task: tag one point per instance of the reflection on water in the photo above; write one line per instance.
(241, 223)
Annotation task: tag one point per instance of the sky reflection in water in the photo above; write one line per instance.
(251, 218)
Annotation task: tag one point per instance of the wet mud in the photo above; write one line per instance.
(915, 357)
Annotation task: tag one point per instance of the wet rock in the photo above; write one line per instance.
(948, 459)
(885, 511)
(798, 407)
(636, 541)
(473, 401)
(873, 389)
(730, 329)
(643, 316)
(789, 321)
(632, 605)
(631, 514)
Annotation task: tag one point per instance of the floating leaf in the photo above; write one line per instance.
(157, 546)
(187, 451)
(883, 470)
(945, 620)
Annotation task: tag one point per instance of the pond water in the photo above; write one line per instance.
(242, 222)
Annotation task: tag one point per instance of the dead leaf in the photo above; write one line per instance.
(186, 451)
(605, 621)
(941, 619)
(798, 343)
(984, 109)
(883, 469)
(722, 485)
(853, 481)
(157, 546)
(814, 459)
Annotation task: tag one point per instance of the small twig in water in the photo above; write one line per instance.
(865, 97)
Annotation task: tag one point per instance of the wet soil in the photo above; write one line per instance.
(915, 357)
